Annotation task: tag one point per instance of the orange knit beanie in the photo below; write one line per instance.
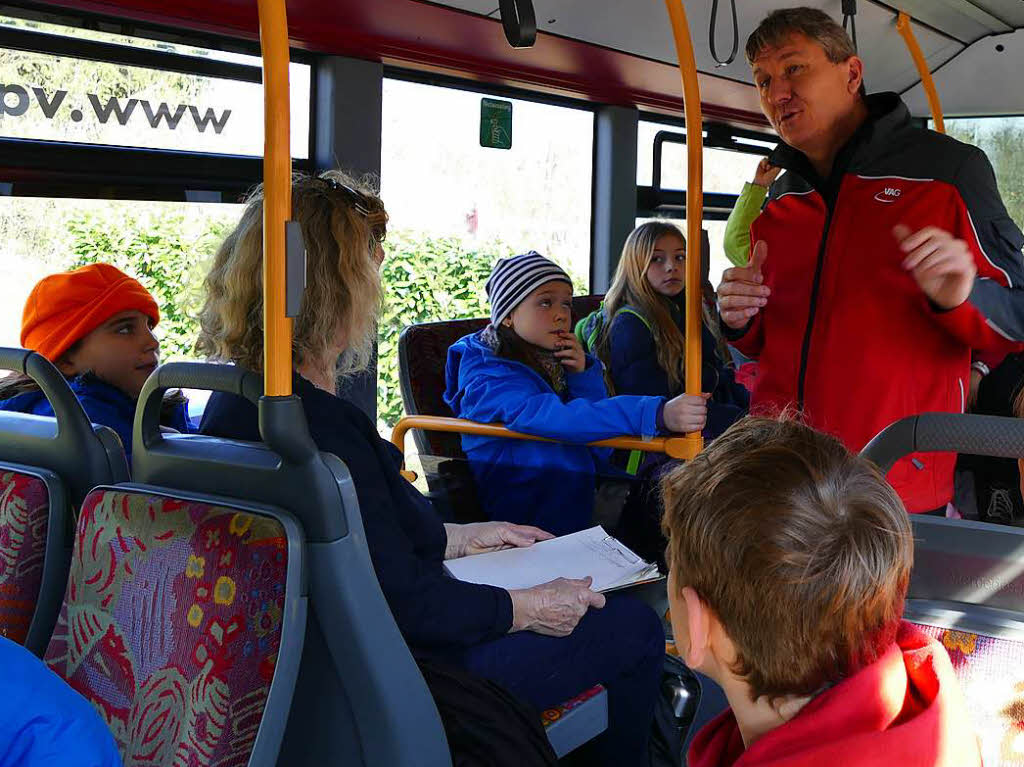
(65, 307)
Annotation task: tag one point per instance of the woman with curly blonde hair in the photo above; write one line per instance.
(544, 643)
(332, 210)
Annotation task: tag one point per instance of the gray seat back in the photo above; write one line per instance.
(47, 466)
(359, 697)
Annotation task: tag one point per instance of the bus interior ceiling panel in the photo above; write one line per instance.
(1000, 58)
(641, 29)
(609, 51)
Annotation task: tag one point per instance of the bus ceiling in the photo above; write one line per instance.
(620, 52)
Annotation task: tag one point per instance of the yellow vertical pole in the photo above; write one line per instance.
(694, 203)
(277, 199)
(907, 31)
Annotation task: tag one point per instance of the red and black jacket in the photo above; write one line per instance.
(847, 336)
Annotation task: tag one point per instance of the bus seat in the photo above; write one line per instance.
(422, 351)
(966, 592)
(967, 585)
(177, 611)
(47, 465)
(345, 688)
(584, 305)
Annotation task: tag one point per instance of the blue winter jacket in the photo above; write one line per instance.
(104, 404)
(548, 485)
(633, 365)
(43, 722)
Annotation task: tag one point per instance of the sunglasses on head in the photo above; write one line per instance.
(360, 203)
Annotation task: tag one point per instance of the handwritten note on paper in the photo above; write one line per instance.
(590, 552)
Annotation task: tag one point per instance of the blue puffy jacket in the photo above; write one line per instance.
(104, 404)
(548, 485)
(43, 722)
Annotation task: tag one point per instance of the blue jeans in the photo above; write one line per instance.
(621, 646)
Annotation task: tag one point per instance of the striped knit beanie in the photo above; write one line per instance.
(513, 279)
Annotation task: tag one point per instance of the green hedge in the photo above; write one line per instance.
(426, 279)
(166, 255)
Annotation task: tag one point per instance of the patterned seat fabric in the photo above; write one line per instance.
(24, 518)
(991, 675)
(171, 625)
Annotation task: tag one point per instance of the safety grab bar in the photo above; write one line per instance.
(907, 32)
(694, 204)
(679, 448)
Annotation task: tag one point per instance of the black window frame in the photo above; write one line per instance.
(62, 169)
(655, 201)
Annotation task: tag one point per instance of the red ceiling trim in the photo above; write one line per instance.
(427, 37)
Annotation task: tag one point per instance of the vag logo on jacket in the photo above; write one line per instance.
(889, 194)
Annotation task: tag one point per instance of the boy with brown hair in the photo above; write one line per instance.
(789, 559)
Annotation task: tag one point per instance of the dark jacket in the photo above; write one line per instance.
(104, 404)
(403, 532)
(550, 485)
(848, 336)
(633, 365)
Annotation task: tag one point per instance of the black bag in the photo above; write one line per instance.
(486, 726)
(673, 714)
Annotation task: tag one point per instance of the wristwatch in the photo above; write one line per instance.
(981, 367)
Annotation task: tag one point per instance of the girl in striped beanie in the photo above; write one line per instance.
(528, 371)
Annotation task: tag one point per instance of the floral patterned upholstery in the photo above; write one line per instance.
(991, 674)
(24, 517)
(171, 625)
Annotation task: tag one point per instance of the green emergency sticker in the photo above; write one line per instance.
(495, 124)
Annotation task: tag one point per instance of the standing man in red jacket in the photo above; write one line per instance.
(883, 256)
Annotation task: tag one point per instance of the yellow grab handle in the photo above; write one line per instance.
(675, 447)
(694, 203)
(905, 29)
(277, 197)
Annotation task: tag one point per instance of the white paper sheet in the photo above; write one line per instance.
(589, 552)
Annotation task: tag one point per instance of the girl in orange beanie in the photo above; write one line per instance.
(96, 325)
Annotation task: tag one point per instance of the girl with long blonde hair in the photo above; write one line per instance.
(642, 338)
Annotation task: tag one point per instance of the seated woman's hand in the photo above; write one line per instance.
(686, 413)
(481, 537)
(553, 608)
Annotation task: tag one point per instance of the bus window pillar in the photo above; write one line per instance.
(348, 119)
(614, 205)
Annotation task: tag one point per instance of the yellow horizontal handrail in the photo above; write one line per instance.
(675, 447)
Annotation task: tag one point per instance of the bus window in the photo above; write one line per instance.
(167, 246)
(455, 207)
(1001, 138)
(76, 99)
(725, 171)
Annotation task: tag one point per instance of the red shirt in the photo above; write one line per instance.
(904, 709)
